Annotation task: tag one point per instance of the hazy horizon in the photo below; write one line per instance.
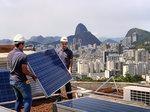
(104, 18)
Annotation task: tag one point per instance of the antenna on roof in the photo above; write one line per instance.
(108, 89)
(112, 77)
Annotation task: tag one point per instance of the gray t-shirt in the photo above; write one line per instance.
(15, 59)
(65, 56)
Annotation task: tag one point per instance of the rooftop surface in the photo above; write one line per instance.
(90, 104)
(3, 109)
(138, 88)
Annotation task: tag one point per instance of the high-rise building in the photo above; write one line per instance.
(148, 78)
(113, 57)
(109, 56)
(74, 67)
(97, 66)
(129, 69)
(142, 68)
(109, 73)
(91, 67)
(141, 55)
(83, 66)
(110, 65)
(80, 67)
(77, 43)
(129, 54)
(102, 66)
(125, 70)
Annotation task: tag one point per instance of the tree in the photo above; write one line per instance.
(128, 78)
(85, 78)
(120, 78)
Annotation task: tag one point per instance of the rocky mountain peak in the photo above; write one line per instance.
(80, 29)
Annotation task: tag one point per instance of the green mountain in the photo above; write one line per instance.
(142, 35)
(143, 38)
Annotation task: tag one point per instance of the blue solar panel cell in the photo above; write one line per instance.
(6, 92)
(87, 104)
(50, 70)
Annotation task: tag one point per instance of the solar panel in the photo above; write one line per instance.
(50, 70)
(88, 104)
(6, 92)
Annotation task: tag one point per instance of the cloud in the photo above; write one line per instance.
(60, 17)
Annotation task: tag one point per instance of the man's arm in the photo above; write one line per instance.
(71, 61)
(27, 72)
(70, 66)
(24, 67)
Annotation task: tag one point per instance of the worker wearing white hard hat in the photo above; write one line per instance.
(64, 43)
(66, 56)
(17, 64)
(18, 38)
(64, 39)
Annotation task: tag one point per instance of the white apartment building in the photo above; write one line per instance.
(141, 55)
(141, 68)
(129, 54)
(91, 67)
(110, 65)
(129, 68)
(148, 78)
(102, 66)
(97, 66)
(79, 67)
(136, 93)
(109, 73)
(83, 67)
(125, 70)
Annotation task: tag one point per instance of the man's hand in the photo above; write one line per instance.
(70, 70)
(34, 77)
(26, 71)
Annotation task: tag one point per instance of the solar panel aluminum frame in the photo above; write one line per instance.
(44, 92)
(69, 109)
(38, 81)
(59, 105)
(74, 109)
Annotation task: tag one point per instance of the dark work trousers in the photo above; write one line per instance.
(58, 98)
(68, 89)
(23, 96)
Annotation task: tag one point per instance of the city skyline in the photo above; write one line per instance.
(104, 18)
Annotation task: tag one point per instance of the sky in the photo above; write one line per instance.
(103, 18)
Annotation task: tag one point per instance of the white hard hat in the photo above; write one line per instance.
(18, 38)
(63, 39)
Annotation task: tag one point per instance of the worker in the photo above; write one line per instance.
(66, 55)
(17, 64)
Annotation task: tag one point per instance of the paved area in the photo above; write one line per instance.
(3, 109)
